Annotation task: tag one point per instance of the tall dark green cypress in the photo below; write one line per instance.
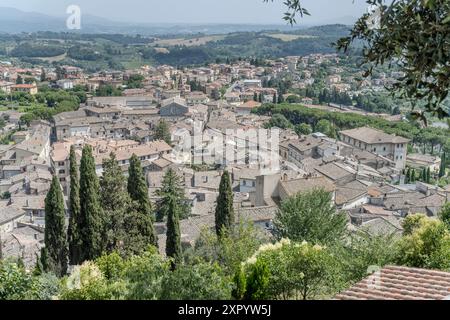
(280, 98)
(137, 187)
(172, 185)
(408, 176)
(224, 208)
(56, 246)
(428, 175)
(74, 232)
(92, 221)
(442, 169)
(423, 175)
(138, 191)
(173, 241)
(115, 202)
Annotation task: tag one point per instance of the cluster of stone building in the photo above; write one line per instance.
(363, 169)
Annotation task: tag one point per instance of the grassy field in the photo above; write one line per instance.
(288, 37)
(54, 59)
(191, 42)
(162, 50)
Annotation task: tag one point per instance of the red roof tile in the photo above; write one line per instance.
(401, 283)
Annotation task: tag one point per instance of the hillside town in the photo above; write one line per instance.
(250, 152)
(365, 169)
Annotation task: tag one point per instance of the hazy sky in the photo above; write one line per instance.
(195, 11)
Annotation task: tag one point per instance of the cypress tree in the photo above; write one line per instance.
(139, 232)
(408, 176)
(413, 175)
(428, 175)
(173, 241)
(92, 221)
(74, 232)
(56, 246)
(138, 191)
(137, 187)
(443, 165)
(275, 101)
(280, 98)
(224, 209)
(162, 132)
(255, 97)
(115, 202)
(43, 75)
(171, 186)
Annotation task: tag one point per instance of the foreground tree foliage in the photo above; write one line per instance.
(362, 250)
(311, 217)
(444, 215)
(200, 281)
(425, 244)
(229, 249)
(287, 270)
(18, 284)
(145, 277)
(280, 270)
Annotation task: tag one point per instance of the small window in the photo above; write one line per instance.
(62, 171)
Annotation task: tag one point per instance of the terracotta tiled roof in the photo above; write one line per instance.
(373, 136)
(296, 186)
(401, 283)
(250, 104)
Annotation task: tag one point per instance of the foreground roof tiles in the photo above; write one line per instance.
(401, 283)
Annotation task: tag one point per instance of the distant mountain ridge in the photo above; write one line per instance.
(16, 21)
